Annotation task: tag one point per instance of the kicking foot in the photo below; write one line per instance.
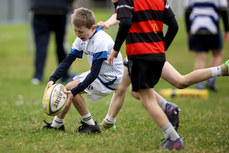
(107, 126)
(225, 68)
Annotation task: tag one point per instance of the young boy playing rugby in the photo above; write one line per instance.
(101, 80)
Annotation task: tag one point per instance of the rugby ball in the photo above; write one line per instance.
(54, 99)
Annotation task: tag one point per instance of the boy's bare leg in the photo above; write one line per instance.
(118, 98)
(148, 101)
(119, 95)
(215, 61)
(171, 75)
(80, 104)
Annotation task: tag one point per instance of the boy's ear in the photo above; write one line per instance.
(93, 27)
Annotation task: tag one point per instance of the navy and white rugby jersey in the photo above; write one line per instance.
(204, 15)
(100, 47)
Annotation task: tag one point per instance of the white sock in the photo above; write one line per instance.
(57, 122)
(169, 132)
(109, 120)
(162, 103)
(88, 119)
(216, 71)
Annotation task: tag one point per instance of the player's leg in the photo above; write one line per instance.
(58, 121)
(199, 44)
(143, 78)
(95, 91)
(171, 75)
(216, 45)
(215, 61)
(216, 58)
(170, 109)
(148, 101)
(117, 101)
(88, 124)
(119, 95)
(200, 63)
(59, 25)
(41, 31)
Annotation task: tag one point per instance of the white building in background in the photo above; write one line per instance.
(14, 11)
(177, 7)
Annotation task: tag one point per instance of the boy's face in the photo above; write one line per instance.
(84, 33)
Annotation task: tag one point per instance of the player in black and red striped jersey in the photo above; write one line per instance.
(141, 25)
(168, 73)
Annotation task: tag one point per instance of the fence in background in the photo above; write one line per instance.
(16, 11)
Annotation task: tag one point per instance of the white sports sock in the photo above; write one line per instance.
(169, 132)
(162, 103)
(109, 120)
(57, 122)
(216, 71)
(88, 119)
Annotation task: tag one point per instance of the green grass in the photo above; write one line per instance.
(204, 123)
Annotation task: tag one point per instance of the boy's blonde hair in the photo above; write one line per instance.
(83, 17)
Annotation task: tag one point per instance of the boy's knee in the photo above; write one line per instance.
(182, 85)
(72, 84)
(134, 94)
(68, 86)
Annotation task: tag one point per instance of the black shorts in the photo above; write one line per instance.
(204, 43)
(144, 74)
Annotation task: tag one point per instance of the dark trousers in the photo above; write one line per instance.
(43, 25)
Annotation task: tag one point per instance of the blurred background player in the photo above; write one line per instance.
(202, 19)
(49, 16)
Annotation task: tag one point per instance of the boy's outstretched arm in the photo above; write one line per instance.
(63, 67)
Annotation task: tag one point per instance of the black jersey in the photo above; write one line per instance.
(145, 37)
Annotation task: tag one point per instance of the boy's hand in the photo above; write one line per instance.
(50, 83)
(114, 54)
(103, 24)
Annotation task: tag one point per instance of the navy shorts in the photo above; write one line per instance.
(204, 43)
(125, 63)
(144, 74)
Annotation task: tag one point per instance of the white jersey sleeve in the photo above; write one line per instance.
(76, 48)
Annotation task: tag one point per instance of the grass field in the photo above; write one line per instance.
(204, 123)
